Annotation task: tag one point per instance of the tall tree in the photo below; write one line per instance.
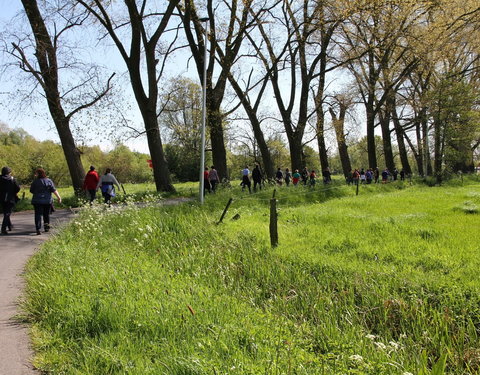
(377, 33)
(338, 120)
(226, 42)
(284, 53)
(143, 64)
(46, 72)
(251, 107)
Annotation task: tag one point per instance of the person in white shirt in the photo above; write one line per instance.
(246, 179)
(106, 184)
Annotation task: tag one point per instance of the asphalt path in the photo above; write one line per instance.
(15, 249)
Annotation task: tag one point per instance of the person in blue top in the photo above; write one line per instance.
(246, 179)
(42, 188)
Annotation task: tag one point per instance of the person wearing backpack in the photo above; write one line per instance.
(9, 189)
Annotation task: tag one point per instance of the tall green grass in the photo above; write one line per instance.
(379, 283)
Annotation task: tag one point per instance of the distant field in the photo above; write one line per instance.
(385, 282)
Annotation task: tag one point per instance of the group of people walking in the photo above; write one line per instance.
(305, 177)
(106, 183)
(210, 180)
(370, 175)
(42, 189)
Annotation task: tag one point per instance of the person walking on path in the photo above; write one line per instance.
(257, 178)
(42, 188)
(206, 181)
(376, 175)
(385, 175)
(9, 189)
(305, 176)
(288, 177)
(90, 184)
(312, 178)
(279, 177)
(246, 179)
(106, 183)
(296, 177)
(355, 176)
(213, 178)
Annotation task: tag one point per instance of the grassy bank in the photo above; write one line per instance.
(380, 283)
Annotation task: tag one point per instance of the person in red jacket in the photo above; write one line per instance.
(90, 183)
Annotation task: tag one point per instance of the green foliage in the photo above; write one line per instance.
(380, 283)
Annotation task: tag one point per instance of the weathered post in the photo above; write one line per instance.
(357, 187)
(273, 223)
(225, 210)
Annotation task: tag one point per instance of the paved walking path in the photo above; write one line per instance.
(15, 249)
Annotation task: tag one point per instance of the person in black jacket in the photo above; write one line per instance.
(9, 189)
(257, 177)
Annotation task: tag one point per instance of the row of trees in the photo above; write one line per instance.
(296, 65)
(23, 153)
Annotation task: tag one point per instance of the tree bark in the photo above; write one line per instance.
(399, 132)
(386, 135)
(338, 124)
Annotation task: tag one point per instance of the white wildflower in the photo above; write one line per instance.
(380, 345)
(371, 337)
(394, 345)
(145, 235)
(356, 358)
(407, 373)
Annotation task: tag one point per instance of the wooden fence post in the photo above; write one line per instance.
(225, 210)
(358, 184)
(273, 223)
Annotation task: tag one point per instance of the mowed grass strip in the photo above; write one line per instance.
(381, 283)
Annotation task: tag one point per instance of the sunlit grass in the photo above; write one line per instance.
(380, 283)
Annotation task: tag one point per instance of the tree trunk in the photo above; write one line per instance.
(219, 154)
(296, 148)
(438, 155)
(161, 174)
(338, 124)
(322, 148)
(372, 153)
(426, 149)
(72, 154)
(257, 130)
(386, 135)
(402, 149)
(264, 151)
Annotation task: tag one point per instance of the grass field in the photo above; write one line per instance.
(385, 282)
